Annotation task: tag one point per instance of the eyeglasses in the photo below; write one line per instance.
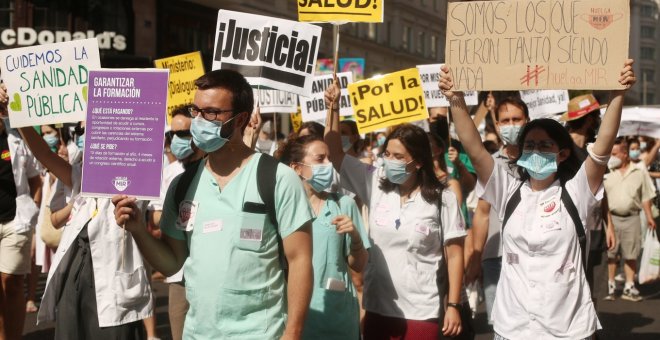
(208, 114)
(542, 146)
(181, 134)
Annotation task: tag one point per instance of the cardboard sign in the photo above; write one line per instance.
(269, 52)
(537, 44)
(47, 84)
(125, 132)
(341, 10)
(430, 75)
(275, 101)
(296, 121)
(545, 103)
(388, 100)
(313, 108)
(184, 70)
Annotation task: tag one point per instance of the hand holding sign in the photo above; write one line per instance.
(332, 94)
(447, 83)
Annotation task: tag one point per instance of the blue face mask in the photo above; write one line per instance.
(510, 133)
(346, 143)
(642, 146)
(181, 147)
(52, 142)
(322, 175)
(80, 142)
(207, 134)
(539, 165)
(381, 140)
(634, 154)
(396, 171)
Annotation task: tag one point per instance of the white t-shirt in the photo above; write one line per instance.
(407, 244)
(542, 292)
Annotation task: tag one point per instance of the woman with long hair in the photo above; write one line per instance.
(542, 292)
(413, 222)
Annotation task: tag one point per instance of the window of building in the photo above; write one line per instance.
(405, 38)
(372, 33)
(421, 36)
(434, 46)
(648, 32)
(650, 75)
(648, 11)
(648, 53)
(650, 98)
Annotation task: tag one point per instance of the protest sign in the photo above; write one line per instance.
(389, 100)
(545, 103)
(324, 66)
(341, 10)
(125, 132)
(47, 84)
(430, 75)
(184, 70)
(296, 121)
(269, 52)
(537, 44)
(271, 101)
(353, 65)
(313, 108)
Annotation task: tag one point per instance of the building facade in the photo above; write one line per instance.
(645, 49)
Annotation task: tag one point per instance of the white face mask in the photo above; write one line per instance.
(614, 162)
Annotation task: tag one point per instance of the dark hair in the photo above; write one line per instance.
(633, 140)
(242, 95)
(515, 101)
(577, 124)
(61, 133)
(416, 142)
(181, 110)
(314, 128)
(441, 145)
(623, 142)
(294, 149)
(566, 169)
(491, 146)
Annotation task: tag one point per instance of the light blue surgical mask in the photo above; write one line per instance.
(642, 145)
(322, 175)
(80, 142)
(207, 134)
(52, 142)
(346, 143)
(381, 140)
(181, 147)
(510, 133)
(634, 154)
(539, 165)
(396, 171)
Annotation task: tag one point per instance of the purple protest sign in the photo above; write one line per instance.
(124, 133)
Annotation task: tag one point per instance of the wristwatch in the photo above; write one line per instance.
(455, 305)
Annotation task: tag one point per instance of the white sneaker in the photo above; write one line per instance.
(611, 287)
(631, 294)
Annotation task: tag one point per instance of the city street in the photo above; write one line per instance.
(621, 320)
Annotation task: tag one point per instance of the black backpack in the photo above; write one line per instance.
(266, 178)
(570, 207)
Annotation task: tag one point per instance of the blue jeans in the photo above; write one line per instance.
(490, 269)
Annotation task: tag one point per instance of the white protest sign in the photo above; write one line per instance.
(47, 84)
(313, 107)
(545, 103)
(430, 75)
(269, 52)
(275, 101)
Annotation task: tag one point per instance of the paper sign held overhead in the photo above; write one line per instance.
(313, 108)
(124, 133)
(341, 10)
(47, 84)
(388, 100)
(184, 70)
(545, 103)
(430, 75)
(537, 44)
(269, 52)
(276, 101)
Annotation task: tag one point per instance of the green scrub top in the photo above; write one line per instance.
(234, 281)
(334, 314)
(465, 159)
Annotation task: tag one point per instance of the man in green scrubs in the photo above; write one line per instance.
(234, 280)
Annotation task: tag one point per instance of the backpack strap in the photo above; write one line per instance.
(184, 182)
(577, 222)
(511, 205)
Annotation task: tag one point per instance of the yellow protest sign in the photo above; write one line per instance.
(340, 10)
(296, 120)
(389, 100)
(184, 70)
(537, 44)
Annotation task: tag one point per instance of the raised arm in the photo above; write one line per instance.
(54, 163)
(332, 134)
(608, 129)
(467, 132)
(298, 252)
(251, 132)
(653, 153)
